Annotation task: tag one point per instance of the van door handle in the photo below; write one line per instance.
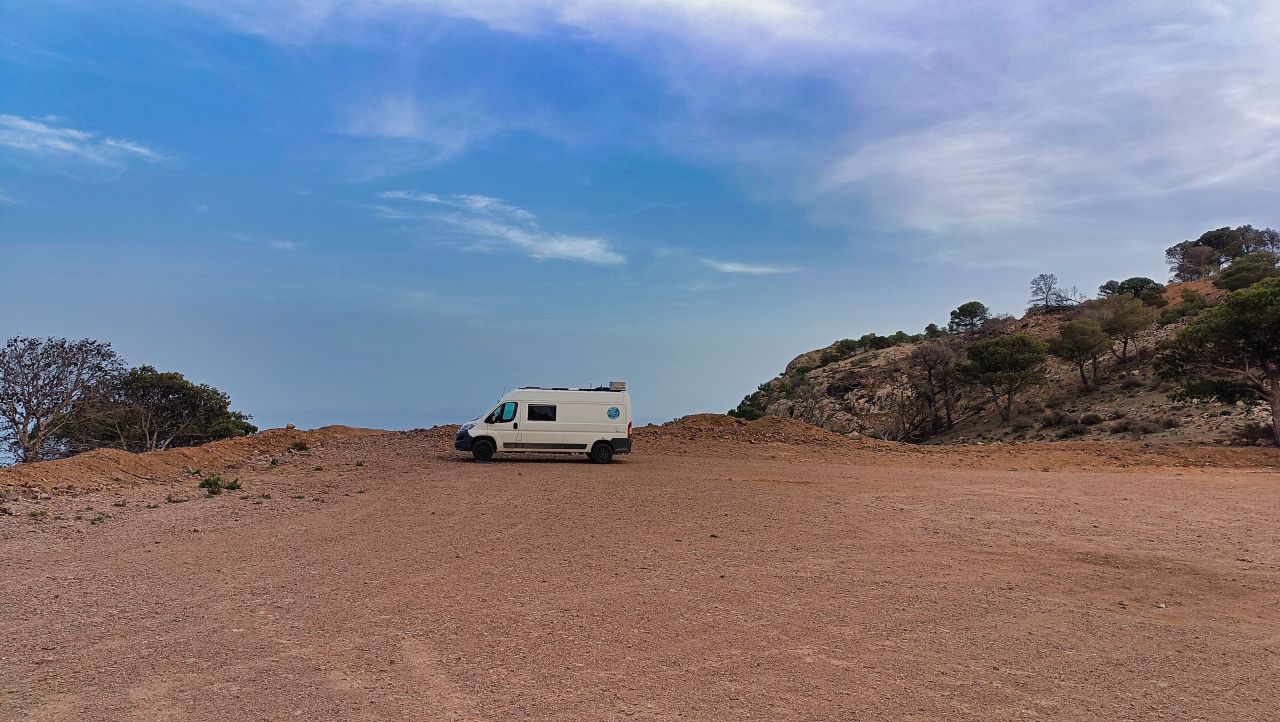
(516, 425)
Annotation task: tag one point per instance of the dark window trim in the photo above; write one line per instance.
(532, 406)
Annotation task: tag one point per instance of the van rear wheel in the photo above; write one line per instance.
(601, 453)
(482, 450)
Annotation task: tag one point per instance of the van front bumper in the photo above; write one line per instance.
(462, 442)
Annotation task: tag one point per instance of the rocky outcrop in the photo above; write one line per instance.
(865, 393)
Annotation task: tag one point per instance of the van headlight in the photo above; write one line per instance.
(466, 426)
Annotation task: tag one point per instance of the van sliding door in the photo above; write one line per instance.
(539, 429)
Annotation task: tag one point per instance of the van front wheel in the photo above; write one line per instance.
(601, 453)
(482, 450)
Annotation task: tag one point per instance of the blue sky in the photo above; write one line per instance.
(386, 213)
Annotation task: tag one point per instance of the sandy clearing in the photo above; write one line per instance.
(419, 586)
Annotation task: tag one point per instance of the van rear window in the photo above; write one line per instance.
(542, 412)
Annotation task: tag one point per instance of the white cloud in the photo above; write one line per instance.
(409, 196)
(751, 30)
(275, 244)
(994, 125)
(445, 128)
(750, 269)
(40, 138)
(490, 223)
(1142, 103)
(7, 200)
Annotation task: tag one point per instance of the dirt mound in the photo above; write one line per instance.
(717, 427)
(103, 468)
(716, 435)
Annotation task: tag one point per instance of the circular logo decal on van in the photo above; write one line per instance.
(614, 412)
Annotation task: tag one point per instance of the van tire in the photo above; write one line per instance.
(482, 450)
(601, 453)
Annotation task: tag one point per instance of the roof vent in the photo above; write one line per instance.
(617, 385)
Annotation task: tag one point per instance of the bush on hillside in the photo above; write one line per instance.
(1231, 350)
(752, 405)
(146, 410)
(1201, 258)
(1248, 270)
(1006, 366)
(1144, 289)
(1253, 432)
(969, 316)
(1073, 430)
(1190, 307)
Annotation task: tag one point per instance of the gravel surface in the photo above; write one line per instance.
(385, 577)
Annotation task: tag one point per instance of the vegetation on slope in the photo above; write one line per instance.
(60, 397)
(1006, 378)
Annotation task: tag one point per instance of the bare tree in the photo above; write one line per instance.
(41, 383)
(1046, 294)
(931, 369)
(903, 414)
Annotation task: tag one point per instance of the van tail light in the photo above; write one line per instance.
(628, 429)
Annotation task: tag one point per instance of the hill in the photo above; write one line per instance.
(850, 389)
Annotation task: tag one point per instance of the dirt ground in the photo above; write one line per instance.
(755, 576)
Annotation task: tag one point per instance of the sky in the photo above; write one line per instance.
(388, 212)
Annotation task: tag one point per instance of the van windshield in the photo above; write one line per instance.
(502, 413)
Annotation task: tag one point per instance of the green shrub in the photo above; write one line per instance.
(1091, 419)
(212, 483)
(1071, 430)
(1248, 270)
(145, 409)
(1120, 426)
(1255, 431)
(752, 405)
(1192, 304)
(1052, 418)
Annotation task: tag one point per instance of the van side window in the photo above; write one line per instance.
(504, 413)
(542, 412)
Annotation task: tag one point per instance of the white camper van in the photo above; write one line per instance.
(595, 422)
